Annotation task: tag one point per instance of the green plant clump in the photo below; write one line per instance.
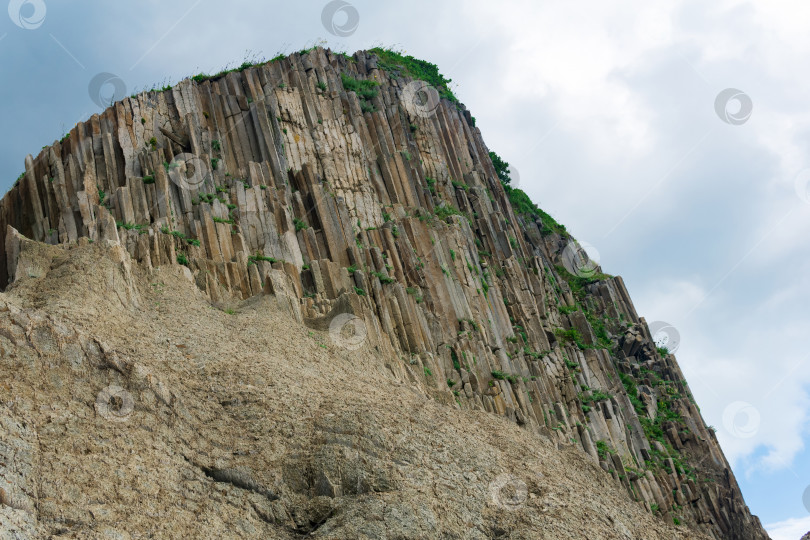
(523, 205)
(445, 211)
(366, 90)
(603, 450)
(383, 278)
(259, 257)
(431, 184)
(300, 224)
(460, 185)
(578, 283)
(130, 226)
(571, 335)
(596, 395)
(500, 375)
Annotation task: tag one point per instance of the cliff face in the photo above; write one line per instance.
(366, 204)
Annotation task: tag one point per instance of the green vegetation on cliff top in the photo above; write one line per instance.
(395, 63)
(390, 60)
(521, 203)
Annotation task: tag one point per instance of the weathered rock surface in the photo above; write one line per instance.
(189, 422)
(384, 229)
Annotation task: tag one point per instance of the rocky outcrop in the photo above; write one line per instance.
(362, 203)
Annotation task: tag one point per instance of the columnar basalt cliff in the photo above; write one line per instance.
(360, 198)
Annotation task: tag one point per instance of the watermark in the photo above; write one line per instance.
(508, 491)
(806, 498)
(188, 171)
(348, 331)
(340, 18)
(665, 335)
(724, 106)
(27, 14)
(580, 259)
(106, 88)
(741, 420)
(420, 99)
(514, 177)
(115, 404)
(802, 185)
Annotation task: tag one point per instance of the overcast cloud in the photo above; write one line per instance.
(606, 110)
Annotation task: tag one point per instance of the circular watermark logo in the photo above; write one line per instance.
(806, 498)
(420, 99)
(514, 177)
(733, 106)
(741, 420)
(340, 18)
(665, 335)
(508, 491)
(27, 14)
(106, 88)
(188, 171)
(115, 404)
(580, 259)
(348, 331)
(802, 185)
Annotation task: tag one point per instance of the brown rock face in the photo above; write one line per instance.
(294, 193)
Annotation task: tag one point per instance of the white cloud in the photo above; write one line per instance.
(790, 529)
(629, 92)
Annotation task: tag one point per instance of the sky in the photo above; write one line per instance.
(669, 136)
